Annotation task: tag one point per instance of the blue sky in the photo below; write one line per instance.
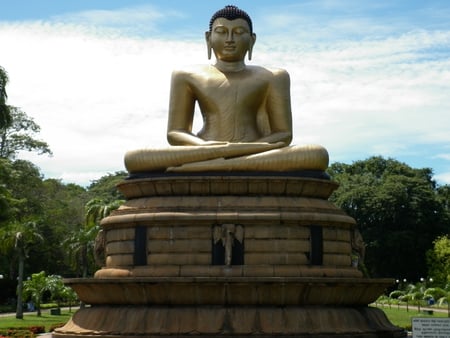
(368, 77)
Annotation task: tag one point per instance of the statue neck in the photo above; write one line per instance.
(224, 66)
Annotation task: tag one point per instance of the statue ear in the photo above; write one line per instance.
(251, 44)
(208, 43)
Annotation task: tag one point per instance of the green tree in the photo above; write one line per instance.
(436, 293)
(80, 244)
(35, 288)
(413, 294)
(18, 238)
(97, 209)
(69, 296)
(81, 241)
(59, 292)
(445, 299)
(20, 135)
(438, 259)
(15, 222)
(105, 187)
(62, 213)
(397, 210)
(25, 186)
(7, 202)
(5, 114)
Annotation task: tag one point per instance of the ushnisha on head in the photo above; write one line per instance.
(230, 34)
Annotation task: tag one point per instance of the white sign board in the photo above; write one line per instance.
(431, 327)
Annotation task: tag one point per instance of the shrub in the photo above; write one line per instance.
(17, 333)
(37, 329)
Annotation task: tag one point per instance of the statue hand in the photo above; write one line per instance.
(214, 143)
(259, 144)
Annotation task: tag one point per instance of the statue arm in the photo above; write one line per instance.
(278, 108)
(181, 111)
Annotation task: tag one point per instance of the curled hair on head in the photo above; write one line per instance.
(231, 12)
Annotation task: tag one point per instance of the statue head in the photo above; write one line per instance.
(231, 26)
(231, 13)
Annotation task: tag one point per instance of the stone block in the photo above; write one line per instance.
(336, 260)
(120, 247)
(277, 245)
(275, 258)
(179, 232)
(262, 270)
(330, 247)
(238, 186)
(179, 259)
(257, 187)
(119, 260)
(276, 231)
(286, 271)
(336, 234)
(187, 246)
(199, 187)
(163, 187)
(156, 271)
(122, 234)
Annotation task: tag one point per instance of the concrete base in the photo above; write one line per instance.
(231, 321)
(229, 291)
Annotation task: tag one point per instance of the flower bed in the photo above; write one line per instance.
(22, 332)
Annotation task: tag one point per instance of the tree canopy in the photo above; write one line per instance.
(5, 114)
(397, 209)
(439, 260)
(20, 135)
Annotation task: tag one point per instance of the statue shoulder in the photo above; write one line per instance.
(279, 73)
(190, 71)
(275, 73)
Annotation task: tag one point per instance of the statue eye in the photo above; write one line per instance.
(220, 30)
(239, 31)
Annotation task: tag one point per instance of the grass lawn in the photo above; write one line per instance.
(31, 319)
(402, 318)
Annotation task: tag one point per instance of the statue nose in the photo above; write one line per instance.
(230, 38)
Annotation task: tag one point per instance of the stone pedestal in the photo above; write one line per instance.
(236, 255)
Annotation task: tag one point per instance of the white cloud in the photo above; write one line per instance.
(443, 178)
(143, 19)
(97, 95)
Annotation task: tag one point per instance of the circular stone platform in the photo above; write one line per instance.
(285, 221)
(230, 255)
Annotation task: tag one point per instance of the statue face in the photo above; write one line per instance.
(230, 39)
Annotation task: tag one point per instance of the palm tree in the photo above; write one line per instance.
(56, 287)
(414, 294)
(35, 288)
(445, 298)
(81, 241)
(78, 243)
(19, 238)
(69, 295)
(96, 209)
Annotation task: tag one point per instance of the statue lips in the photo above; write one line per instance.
(230, 47)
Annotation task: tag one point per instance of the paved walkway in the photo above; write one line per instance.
(46, 311)
(412, 307)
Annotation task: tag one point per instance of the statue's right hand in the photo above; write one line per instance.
(214, 143)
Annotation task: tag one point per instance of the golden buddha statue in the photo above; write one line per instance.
(246, 110)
